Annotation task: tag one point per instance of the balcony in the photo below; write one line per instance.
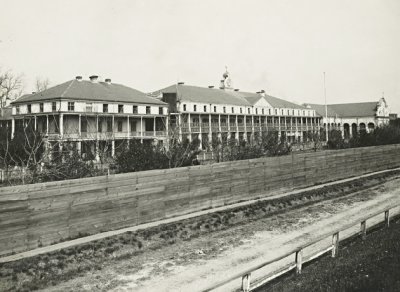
(224, 127)
(241, 128)
(148, 133)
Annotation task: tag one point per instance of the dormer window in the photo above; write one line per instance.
(17, 110)
(29, 108)
(248, 110)
(224, 108)
(160, 110)
(233, 110)
(215, 109)
(184, 107)
(256, 111)
(135, 109)
(241, 110)
(147, 109)
(105, 108)
(262, 111)
(194, 108)
(41, 108)
(54, 106)
(205, 108)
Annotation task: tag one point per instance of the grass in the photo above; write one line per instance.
(370, 265)
(49, 269)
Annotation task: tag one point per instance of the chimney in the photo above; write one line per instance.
(108, 80)
(93, 78)
(211, 86)
(262, 92)
(222, 84)
(181, 83)
(236, 89)
(33, 92)
(78, 78)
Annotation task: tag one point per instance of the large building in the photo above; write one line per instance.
(350, 118)
(224, 112)
(92, 116)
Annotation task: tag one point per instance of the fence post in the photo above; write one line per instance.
(363, 230)
(299, 261)
(387, 218)
(335, 244)
(246, 282)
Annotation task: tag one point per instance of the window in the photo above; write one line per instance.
(224, 108)
(133, 125)
(135, 109)
(17, 109)
(194, 108)
(120, 108)
(160, 110)
(282, 112)
(184, 107)
(205, 108)
(248, 110)
(256, 111)
(89, 107)
(147, 110)
(29, 108)
(84, 125)
(241, 111)
(109, 125)
(233, 110)
(262, 111)
(71, 106)
(105, 108)
(276, 112)
(41, 109)
(100, 126)
(215, 109)
(119, 125)
(53, 106)
(292, 112)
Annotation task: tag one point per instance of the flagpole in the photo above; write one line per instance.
(326, 112)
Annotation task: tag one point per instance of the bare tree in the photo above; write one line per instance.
(11, 86)
(41, 84)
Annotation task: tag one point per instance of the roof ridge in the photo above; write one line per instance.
(68, 87)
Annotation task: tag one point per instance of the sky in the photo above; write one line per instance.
(280, 46)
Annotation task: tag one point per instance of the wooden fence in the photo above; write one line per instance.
(42, 214)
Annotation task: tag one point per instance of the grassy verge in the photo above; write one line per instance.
(370, 265)
(50, 269)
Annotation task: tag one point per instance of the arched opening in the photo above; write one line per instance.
(363, 127)
(371, 127)
(346, 128)
(354, 130)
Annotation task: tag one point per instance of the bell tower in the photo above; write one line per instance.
(226, 83)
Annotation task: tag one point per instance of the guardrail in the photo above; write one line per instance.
(298, 253)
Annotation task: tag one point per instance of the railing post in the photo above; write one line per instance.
(363, 230)
(335, 244)
(387, 218)
(299, 261)
(246, 282)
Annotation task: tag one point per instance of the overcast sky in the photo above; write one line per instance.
(280, 46)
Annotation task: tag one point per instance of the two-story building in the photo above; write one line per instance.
(224, 112)
(351, 118)
(91, 115)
